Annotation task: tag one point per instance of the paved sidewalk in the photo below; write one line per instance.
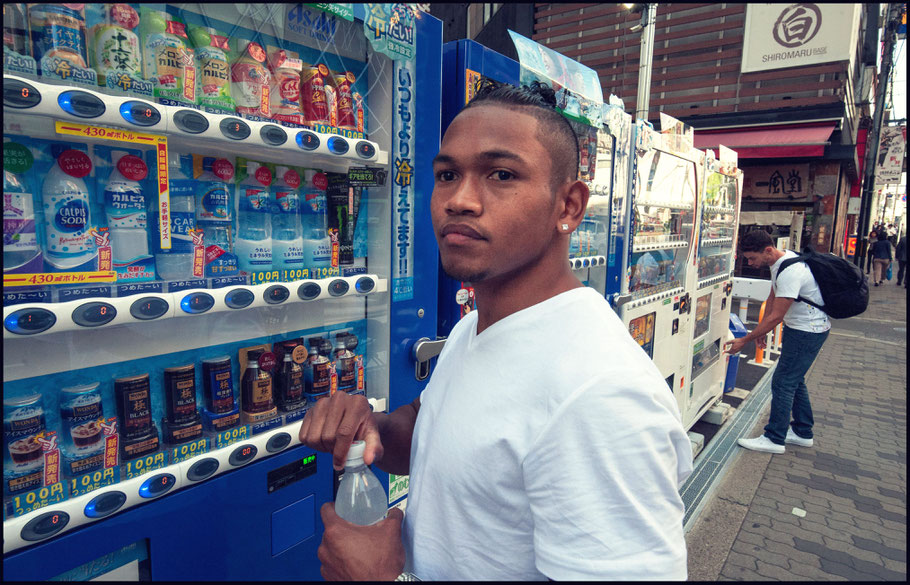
(851, 486)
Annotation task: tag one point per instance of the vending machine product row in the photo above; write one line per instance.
(214, 216)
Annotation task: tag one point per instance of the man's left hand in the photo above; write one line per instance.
(734, 347)
(361, 553)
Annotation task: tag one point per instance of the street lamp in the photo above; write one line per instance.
(646, 26)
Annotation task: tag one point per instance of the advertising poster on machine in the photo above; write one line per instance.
(210, 213)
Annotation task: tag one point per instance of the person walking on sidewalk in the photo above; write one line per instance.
(873, 236)
(881, 254)
(901, 254)
(805, 331)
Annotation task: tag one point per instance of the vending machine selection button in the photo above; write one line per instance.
(239, 298)
(45, 525)
(338, 287)
(157, 485)
(139, 113)
(308, 291)
(191, 122)
(104, 505)
(235, 128)
(364, 284)
(18, 94)
(338, 145)
(94, 314)
(29, 321)
(149, 308)
(242, 455)
(202, 469)
(365, 149)
(274, 135)
(307, 140)
(278, 442)
(197, 302)
(276, 294)
(81, 104)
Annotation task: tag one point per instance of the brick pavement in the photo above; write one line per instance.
(851, 484)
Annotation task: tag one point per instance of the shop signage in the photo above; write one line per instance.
(793, 35)
(891, 151)
(783, 181)
(311, 22)
(390, 29)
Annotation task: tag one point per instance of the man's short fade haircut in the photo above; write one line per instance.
(553, 129)
(755, 241)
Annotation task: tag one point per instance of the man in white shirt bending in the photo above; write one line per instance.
(546, 444)
(805, 331)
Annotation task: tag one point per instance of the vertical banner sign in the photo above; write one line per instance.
(891, 150)
(390, 30)
(164, 200)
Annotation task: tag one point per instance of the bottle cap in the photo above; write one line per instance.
(116, 155)
(308, 175)
(251, 167)
(356, 451)
(351, 341)
(325, 347)
(315, 344)
(252, 356)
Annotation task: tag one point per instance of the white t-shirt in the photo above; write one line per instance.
(797, 281)
(548, 446)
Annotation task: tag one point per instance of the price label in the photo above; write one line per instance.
(59, 278)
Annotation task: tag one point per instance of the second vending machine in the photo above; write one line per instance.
(213, 212)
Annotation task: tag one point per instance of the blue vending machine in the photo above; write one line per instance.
(604, 154)
(210, 218)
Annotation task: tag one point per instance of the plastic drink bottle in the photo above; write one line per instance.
(20, 243)
(124, 206)
(361, 499)
(177, 263)
(289, 382)
(67, 213)
(116, 46)
(254, 227)
(317, 247)
(287, 241)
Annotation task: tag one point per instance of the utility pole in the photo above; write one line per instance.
(875, 135)
(648, 20)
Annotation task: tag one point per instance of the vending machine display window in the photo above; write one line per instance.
(718, 226)
(702, 314)
(642, 331)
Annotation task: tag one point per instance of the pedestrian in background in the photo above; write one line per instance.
(901, 254)
(805, 331)
(873, 236)
(881, 254)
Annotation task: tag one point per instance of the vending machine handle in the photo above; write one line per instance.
(620, 300)
(423, 351)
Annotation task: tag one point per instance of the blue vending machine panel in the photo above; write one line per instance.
(139, 448)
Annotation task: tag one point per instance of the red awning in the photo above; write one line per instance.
(793, 140)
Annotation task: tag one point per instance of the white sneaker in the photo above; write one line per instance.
(761, 443)
(797, 440)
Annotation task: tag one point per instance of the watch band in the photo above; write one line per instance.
(407, 577)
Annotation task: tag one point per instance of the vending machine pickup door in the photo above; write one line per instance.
(423, 351)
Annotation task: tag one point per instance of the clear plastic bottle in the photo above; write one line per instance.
(287, 242)
(361, 499)
(253, 245)
(20, 243)
(317, 246)
(177, 262)
(124, 204)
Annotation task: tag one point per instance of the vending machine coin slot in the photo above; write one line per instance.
(19, 94)
(45, 525)
(81, 104)
(291, 473)
(140, 113)
(104, 505)
(191, 122)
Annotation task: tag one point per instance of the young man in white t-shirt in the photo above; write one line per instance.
(546, 444)
(805, 331)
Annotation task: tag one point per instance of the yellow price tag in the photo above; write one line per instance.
(141, 138)
(59, 278)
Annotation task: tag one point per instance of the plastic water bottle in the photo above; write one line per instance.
(287, 240)
(361, 499)
(254, 227)
(213, 216)
(67, 214)
(317, 246)
(177, 262)
(124, 206)
(20, 243)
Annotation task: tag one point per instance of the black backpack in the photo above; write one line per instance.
(843, 285)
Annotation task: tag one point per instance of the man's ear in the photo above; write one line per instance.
(573, 201)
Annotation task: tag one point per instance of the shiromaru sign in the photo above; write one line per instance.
(792, 35)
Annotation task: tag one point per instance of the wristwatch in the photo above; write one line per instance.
(407, 577)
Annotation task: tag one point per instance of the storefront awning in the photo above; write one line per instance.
(793, 140)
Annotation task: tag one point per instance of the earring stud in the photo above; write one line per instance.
(565, 226)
